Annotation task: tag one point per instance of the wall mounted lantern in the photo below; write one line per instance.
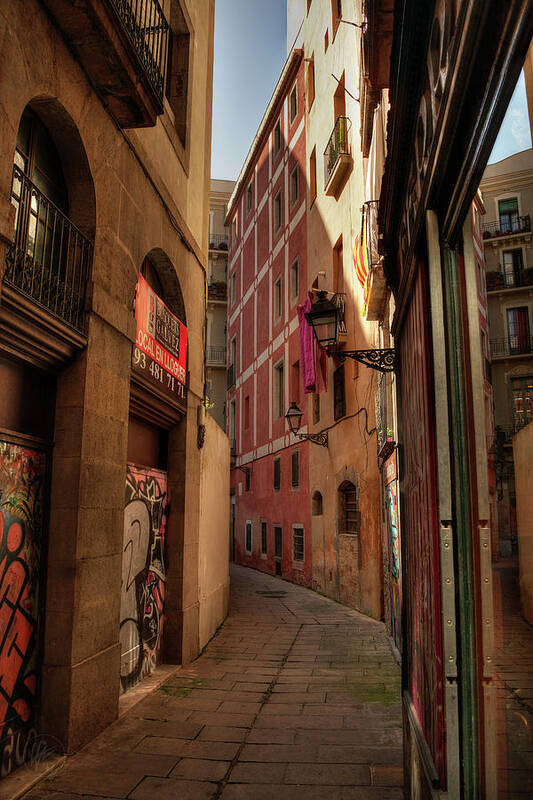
(294, 421)
(324, 319)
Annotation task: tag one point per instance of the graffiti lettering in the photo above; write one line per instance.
(21, 498)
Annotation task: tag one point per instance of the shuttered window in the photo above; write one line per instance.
(264, 542)
(248, 541)
(298, 544)
(349, 515)
(295, 469)
(277, 474)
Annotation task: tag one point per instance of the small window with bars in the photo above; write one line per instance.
(248, 537)
(295, 469)
(277, 474)
(298, 550)
(264, 540)
(339, 394)
(349, 515)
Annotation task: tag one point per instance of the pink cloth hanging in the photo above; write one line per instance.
(307, 349)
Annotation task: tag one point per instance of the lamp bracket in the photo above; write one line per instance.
(315, 438)
(246, 470)
(382, 360)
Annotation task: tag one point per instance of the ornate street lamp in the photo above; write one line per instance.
(294, 420)
(324, 319)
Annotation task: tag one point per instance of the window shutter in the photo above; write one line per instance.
(295, 465)
(277, 474)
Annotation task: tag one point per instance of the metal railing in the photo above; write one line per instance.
(218, 241)
(230, 376)
(217, 290)
(148, 30)
(49, 259)
(505, 227)
(216, 355)
(338, 145)
(511, 346)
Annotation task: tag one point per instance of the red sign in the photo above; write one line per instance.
(160, 350)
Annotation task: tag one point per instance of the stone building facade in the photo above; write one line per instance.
(104, 181)
(217, 300)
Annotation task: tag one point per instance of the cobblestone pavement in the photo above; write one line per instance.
(296, 697)
(514, 682)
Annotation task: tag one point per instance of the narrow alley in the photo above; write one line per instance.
(296, 697)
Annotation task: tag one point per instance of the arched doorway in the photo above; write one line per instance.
(42, 327)
(157, 406)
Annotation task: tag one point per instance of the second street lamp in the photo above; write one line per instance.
(294, 420)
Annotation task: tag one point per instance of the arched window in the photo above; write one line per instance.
(349, 516)
(316, 504)
(50, 257)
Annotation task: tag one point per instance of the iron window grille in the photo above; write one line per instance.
(298, 549)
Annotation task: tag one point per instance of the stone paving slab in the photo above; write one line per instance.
(296, 698)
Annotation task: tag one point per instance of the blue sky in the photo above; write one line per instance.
(514, 134)
(250, 50)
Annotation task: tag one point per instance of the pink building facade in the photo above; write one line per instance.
(267, 280)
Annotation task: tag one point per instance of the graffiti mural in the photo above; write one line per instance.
(143, 573)
(22, 474)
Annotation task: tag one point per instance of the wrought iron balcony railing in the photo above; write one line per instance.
(509, 280)
(49, 259)
(511, 346)
(506, 227)
(147, 29)
(230, 376)
(338, 146)
(218, 241)
(216, 355)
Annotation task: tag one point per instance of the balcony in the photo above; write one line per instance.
(496, 233)
(215, 356)
(376, 283)
(337, 159)
(217, 291)
(230, 382)
(123, 47)
(512, 346)
(49, 260)
(511, 280)
(219, 242)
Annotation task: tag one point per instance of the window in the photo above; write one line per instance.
(177, 89)
(247, 480)
(522, 390)
(310, 81)
(336, 14)
(294, 185)
(349, 515)
(247, 412)
(234, 231)
(249, 197)
(508, 213)
(512, 268)
(295, 469)
(316, 504)
(295, 382)
(279, 390)
(518, 329)
(278, 300)
(277, 474)
(298, 544)
(232, 421)
(316, 408)
(338, 267)
(264, 540)
(293, 104)
(233, 351)
(248, 542)
(294, 280)
(278, 542)
(312, 176)
(339, 394)
(277, 138)
(277, 212)
(233, 287)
